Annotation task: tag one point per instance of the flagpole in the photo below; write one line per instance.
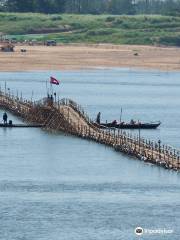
(5, 86)
(52, 82)
(46, 88)
(32, 96)
(51, 89)
(121, 115)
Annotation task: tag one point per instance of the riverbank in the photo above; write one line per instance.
(81, 56)
(153, 30)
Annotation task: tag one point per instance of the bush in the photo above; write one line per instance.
(170, 40)
(100, 32)
(56, 18)
(110, 19)
(12, 18)
(118, 21)
(76, 25)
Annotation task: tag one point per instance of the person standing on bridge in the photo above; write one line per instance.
(98, 118)
(5, 117)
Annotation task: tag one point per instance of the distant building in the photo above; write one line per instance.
(7, 47)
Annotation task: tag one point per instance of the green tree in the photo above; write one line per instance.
(20, 5)
(121, 7)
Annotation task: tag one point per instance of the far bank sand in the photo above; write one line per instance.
(71, 57)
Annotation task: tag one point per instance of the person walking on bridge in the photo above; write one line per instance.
(5, 117)
(98, 118)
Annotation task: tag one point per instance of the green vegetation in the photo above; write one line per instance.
(117, 7)
(65, 28)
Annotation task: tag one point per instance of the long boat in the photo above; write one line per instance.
(139, 125)
(123, 125)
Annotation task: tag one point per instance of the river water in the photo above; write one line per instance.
(58, 187)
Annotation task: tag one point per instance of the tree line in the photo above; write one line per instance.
(165, 7)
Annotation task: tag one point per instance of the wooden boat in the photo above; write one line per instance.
(123, 125)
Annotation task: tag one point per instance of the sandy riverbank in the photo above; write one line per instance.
(69, 57)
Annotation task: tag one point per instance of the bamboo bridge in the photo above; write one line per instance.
(67, 116)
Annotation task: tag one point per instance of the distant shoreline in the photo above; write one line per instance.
(88, 56)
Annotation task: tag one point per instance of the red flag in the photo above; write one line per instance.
(54, 81)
